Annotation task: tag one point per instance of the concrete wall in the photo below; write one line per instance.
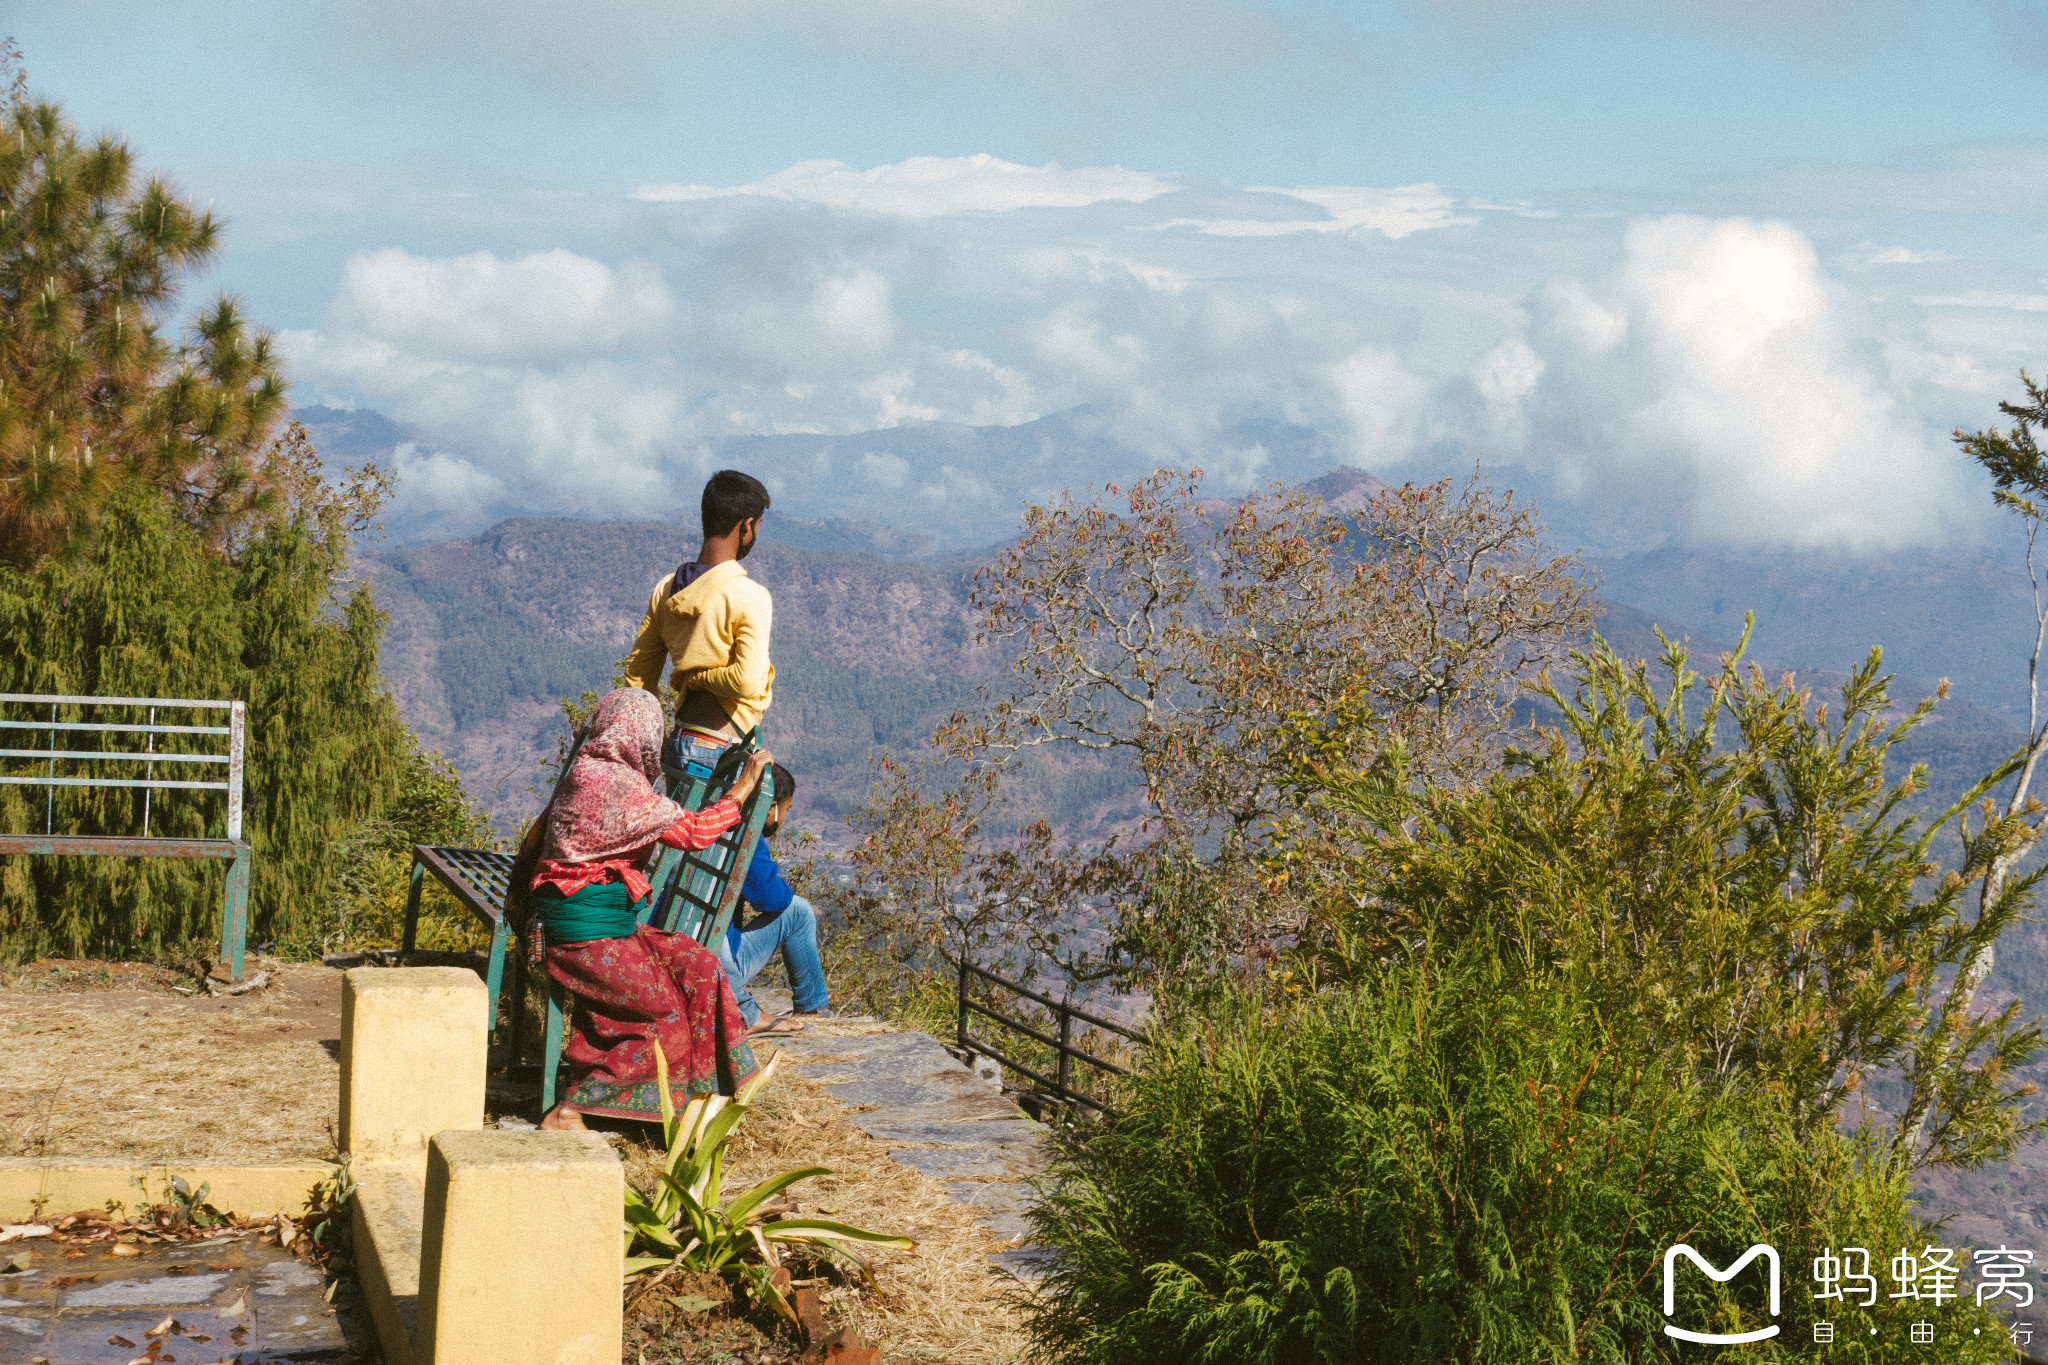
(61, 1187)
(472, 1246)
(413, 1052)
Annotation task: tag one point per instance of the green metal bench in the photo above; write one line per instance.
(695, 892)
(234, 912)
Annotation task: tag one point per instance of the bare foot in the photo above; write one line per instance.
(563, 1119)
(770, 1023)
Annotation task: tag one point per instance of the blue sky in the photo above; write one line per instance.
(1748, 259)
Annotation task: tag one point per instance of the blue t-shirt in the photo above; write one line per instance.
(764, 891)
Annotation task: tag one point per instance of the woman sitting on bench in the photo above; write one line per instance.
(633, 985)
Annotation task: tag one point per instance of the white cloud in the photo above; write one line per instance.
(1348, 208)
(1743, 374)
(1899, 255)
(485, 307)
(931, 187)
(1715, 369)
(1382, 401)
(436, 481)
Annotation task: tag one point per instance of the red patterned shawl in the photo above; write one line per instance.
(607, 806)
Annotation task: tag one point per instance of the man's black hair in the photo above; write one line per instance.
(785, 785)
(731, 498)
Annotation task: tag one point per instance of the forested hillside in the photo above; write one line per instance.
(487, 634)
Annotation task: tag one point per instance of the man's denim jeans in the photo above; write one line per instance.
(682, 748)
(795, 933)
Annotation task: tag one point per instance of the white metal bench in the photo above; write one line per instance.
(234, 914)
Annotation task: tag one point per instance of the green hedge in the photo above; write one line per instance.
(154, 612)
(1436, 1167)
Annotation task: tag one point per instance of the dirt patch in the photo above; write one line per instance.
(941, 1301)
(116, 1061)
(68, 975)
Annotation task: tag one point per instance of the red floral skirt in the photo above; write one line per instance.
(633, 992)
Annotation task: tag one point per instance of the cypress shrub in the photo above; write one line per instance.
(155, 610)
(1437, 1166)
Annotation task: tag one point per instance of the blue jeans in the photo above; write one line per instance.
(683, 749)
(794, 931)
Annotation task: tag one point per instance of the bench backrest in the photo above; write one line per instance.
(140, 759)
(697, 891)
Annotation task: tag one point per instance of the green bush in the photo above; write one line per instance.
(1437, 1165)
(374, 864)
(156, 611)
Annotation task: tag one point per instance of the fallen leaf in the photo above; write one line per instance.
(126, 1249)
(10, 1232)
(180, 1269)
(169, 1324)
(121, 1341)
(62, 1280)
(20, 1260)
(692, 1303)
(239, 1308)
(239, 1335)
(197, 1336)
(75, 1255)
(222, 1265)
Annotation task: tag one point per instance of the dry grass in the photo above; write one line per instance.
(115, 1062)
(941, 1301)
(107, 1060)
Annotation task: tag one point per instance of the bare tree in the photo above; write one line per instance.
(2013, 459)
(1222, 647)
(1195, 638)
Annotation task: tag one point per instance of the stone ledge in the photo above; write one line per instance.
(388, 1216)
(89, 1182)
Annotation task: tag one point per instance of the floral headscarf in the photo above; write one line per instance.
(607, 805)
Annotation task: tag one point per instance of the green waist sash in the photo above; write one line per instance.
(602, 911)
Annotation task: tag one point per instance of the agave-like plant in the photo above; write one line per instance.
(684, 1226)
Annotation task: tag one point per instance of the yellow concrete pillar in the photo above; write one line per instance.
(413, 1053)
(521, 1258)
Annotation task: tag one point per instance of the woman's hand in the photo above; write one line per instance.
(750, 776)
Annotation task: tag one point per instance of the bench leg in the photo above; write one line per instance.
(517, 948)
(551, 1052)
(234, 911)
(412, 907)
(496, 975)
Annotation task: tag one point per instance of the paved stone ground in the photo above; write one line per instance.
(240, 1300)
(905, 1088)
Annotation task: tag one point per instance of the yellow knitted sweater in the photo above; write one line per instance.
(716, 630)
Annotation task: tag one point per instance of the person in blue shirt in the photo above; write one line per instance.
(782, 921)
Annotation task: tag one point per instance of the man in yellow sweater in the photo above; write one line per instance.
(713, 621)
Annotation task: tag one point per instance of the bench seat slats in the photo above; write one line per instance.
(119, 846)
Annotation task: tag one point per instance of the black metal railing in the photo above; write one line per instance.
(1065, 1053)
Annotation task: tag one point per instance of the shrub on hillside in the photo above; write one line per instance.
(1439, 1165)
